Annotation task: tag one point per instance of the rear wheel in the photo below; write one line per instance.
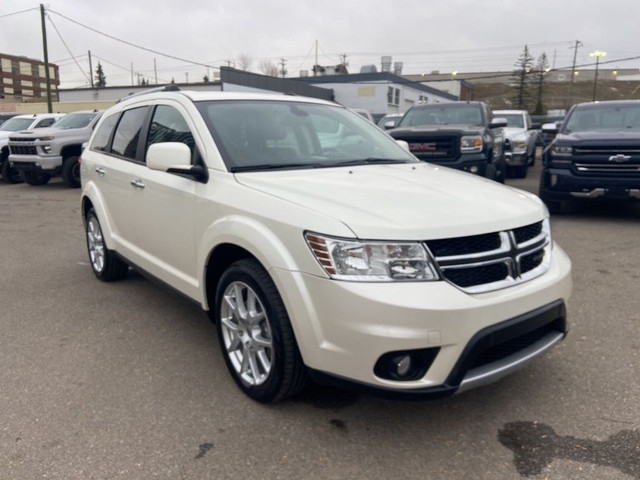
(104, 262)
(71, 172)
(255, 334)
(35, 178)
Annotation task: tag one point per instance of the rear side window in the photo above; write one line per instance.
(101, 139)
(45, 122)
(168, 125)
(127, 134)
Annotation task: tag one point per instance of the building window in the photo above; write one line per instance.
(393, 96)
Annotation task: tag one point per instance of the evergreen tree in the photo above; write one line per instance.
(101, 79)
(520, 78)
(542, 66)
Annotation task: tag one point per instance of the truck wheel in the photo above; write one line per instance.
(35, 178)
(71, 172)
(255, 334)
(104, 262)
(554, 206)
(520, 171)
(10, 174)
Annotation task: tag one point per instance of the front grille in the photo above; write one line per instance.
(19, 139)
(514, 345)
(482, 263)
(23, 150)
(440, 148)
(608, 168)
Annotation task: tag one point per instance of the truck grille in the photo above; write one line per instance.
(620, 160)
(23, 150)
(440, 148)
(482, 263)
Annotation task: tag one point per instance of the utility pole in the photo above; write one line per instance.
(573, 72)
(283, 62)
(47, 76)
(132, 84)
(155, 70)
(90, 69)
(315, 65)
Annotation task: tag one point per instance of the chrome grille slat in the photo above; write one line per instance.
(608, 167)
(523, 254)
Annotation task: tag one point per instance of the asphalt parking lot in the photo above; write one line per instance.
(126, 380)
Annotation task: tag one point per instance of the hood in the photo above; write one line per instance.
(48, 132)
(436, 130)
(600, 137)
(513, 132)
(402, 202)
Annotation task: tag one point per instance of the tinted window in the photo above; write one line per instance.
(101, 138)
(125, 140)
(168, 125)
(76, 120)
(603, 117)
(45, 123)
(513, 120)
(454, 114)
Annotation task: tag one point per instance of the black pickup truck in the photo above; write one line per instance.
(595, 155)
(462, 135)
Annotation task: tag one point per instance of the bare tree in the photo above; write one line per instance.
(269, 68)
(244, 61)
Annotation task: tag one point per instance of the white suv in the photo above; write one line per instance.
(320, 247)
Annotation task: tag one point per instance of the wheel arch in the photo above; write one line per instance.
(73, 150)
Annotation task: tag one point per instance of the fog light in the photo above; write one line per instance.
(473, 169)
(403, 365)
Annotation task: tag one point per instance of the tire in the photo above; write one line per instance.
(35, 178)
(520, 171)
(71, 172)
(256, 337)
(554, 206)
(104, 262)
(9, 174)
(532, 158)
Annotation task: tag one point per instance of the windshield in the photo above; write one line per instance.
(514, 120)
(445, 114)
(602, 117)
(15, 124)
(261, 135)
(75, 120)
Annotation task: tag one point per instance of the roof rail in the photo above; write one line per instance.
(166, 88)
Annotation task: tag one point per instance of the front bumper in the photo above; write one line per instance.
(564, 184)
(344, 328)
(516, 159)
(36, 163)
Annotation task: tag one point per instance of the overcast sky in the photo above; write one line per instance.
(451, 35)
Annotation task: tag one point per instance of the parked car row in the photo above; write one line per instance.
(36, 147)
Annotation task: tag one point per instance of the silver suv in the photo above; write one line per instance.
(321, 247)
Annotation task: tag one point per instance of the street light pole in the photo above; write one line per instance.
(597, 55)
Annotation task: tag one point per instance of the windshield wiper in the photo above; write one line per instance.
(274, 166)
(369, 161)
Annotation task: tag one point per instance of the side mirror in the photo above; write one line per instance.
(389, 125)
(498, 123)
(404, 145)
(173, 157)
(550, 127)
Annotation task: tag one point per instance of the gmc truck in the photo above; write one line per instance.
(462, 135)
(41, 154)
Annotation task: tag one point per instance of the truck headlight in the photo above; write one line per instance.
(561, 150)
(365, 261)
(471, 144)
(519, 145)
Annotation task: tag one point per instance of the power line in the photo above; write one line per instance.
(17, 13)
(132, 44)
(68, 50)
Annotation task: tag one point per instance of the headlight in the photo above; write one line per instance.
(471, 144)
(357, 261)
(519, 145)
(561, 149)
(45, 139)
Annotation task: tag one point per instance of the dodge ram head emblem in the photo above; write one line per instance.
(619, 158)
(422, 147)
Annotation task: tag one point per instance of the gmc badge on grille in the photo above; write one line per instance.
(422, 147)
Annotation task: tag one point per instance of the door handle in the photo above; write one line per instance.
(100, 171)
(137, 184)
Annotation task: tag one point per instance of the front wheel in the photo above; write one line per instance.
(71, 172)
(34, 178)
(255, 334)
(104, 262)
(9, 173)
(554, 206)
